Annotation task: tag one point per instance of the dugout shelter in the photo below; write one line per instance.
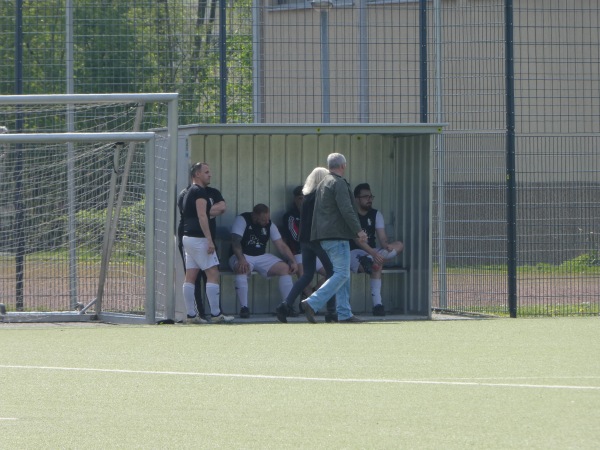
(262, 163)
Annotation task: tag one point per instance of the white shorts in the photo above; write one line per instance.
(298, 259)
(262, 264)
(196, 254)
(358, 253)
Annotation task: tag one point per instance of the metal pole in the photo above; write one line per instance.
(19, 206)
(511, 182)
(423, 57)
(325, 94)
(223, 59)
(257, 62)
(363, 50)
(70, 117)
(441, 157)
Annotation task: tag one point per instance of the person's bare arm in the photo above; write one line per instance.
(241, 266)
(203, 219)
(287, 254)
(363, 245)
(217, 209)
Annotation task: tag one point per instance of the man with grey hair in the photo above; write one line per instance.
(335, 222)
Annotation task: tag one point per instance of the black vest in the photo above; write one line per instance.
(367, 223)
(255, 238)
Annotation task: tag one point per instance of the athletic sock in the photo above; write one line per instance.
(241, 289)
(285, 285)
(188, 298)
(212, 293)
(376, 291)
(388, 255)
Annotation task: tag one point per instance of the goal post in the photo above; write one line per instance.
(145, 165)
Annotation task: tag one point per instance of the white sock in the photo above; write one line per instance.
(188, 298)
(212, 293)
(376, 291)
(241, 289)
(387, 255)
(285, 285)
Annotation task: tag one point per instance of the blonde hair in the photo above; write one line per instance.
(312, 181)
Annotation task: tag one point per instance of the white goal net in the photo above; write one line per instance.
(87, 207)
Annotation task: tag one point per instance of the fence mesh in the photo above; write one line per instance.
(283, 61)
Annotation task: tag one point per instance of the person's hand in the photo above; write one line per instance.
(211, 247)
(241, 267)
(362, 236)
(377, 258)
(293, 267)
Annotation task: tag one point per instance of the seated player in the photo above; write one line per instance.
(367, 257)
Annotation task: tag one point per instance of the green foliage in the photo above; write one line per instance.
(129, 238)
(142, 46)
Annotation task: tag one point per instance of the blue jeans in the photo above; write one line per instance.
(339, 283)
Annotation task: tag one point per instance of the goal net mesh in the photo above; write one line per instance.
(54, 203)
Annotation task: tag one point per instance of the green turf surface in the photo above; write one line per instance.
(525, 383)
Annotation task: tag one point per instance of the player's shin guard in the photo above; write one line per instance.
(285, 285)
(212, 293)
(376, 291)
(241, 289)
(188, 298)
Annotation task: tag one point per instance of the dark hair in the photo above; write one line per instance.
(259, 209)
(361, 187)
(195, 168)
(298, 191)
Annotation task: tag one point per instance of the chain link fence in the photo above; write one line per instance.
(290, 61)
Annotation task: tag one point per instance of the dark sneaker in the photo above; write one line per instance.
(244, 313)
(282, 312)
(331, 317)
(292, 312)
(308, 312)
(367, 263)
(378, 310)
(352, 319)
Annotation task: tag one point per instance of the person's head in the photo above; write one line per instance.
(298, 196)
(363, 196)
(261, 215)
(336, 162)
(200, 173)
(313, 179)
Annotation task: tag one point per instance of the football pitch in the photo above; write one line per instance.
(502, 383)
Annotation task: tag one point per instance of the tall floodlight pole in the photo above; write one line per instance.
(70, 117)
(363, 50)
(323, 7)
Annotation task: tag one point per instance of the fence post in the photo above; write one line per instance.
(511, 190)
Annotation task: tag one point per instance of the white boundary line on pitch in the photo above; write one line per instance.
(296, 378)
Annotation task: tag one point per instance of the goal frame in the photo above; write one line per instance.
(149, 140)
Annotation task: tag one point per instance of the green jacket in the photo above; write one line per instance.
(334, 216)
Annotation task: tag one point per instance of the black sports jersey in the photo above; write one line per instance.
(191, 225)
(214, 196)
(367, 223)
(255, 238)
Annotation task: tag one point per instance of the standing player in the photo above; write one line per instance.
(217, 207)
(199, 247)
